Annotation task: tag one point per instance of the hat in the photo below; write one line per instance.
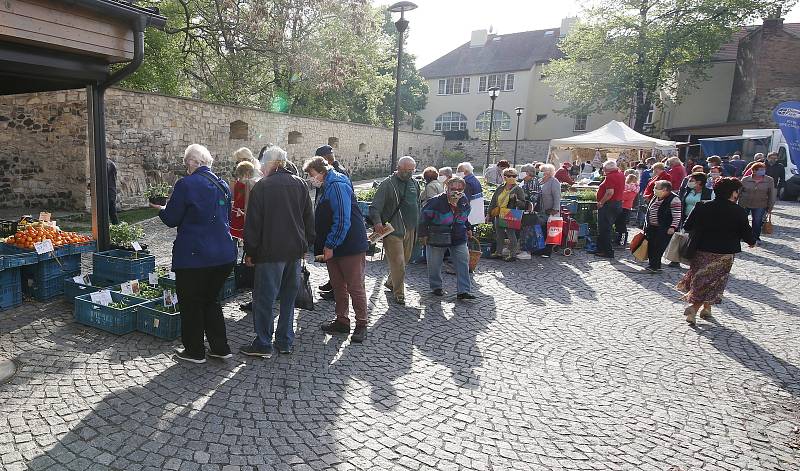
(322, 151)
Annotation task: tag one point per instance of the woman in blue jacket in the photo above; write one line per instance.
(342, 242)
(203, 254)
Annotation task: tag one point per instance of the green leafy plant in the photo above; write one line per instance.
(124, 234)
(159, 190)
(119, 305)
(168, 309)
(484, 232)
(587, 195)
(366, 195)
(149, 292)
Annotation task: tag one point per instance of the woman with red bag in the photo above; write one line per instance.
(508, 196)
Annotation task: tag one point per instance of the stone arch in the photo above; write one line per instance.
(333, 142)
(295, 137)
(239, 130)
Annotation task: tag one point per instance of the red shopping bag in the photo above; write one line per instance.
(555, 229)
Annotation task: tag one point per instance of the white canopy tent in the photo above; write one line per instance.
(614, 135)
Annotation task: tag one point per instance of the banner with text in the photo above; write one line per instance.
(787, 115)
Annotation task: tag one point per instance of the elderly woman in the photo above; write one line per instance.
(663, 218)
(445, 226)
(758, 196)
(508, 196)
(718, 227)
(531, 186)
(444, 174)
(246, 178)
(473, 189)
(203, 254)
(432, 185)
(244, 154)
(657, 174)
(550, 197)
(342, 242)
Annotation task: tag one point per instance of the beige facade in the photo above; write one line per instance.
(707, 104)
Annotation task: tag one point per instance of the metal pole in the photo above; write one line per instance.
(489, 142)
(100, 218)
(516, 138)
(401, 26)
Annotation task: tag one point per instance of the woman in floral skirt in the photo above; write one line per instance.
(717, 228)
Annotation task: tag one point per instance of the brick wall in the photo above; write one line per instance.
(44, 153)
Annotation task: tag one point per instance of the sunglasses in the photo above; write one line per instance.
(511, 176)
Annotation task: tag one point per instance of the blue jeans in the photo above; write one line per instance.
(460, 257)
(275, 279)
(758, 220)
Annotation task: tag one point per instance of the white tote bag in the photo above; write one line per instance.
(476, 215)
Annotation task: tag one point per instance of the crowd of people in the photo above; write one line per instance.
(272, 216)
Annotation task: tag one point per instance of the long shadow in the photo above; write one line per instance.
(754, 357)
(758, 292)
(545, 278)
(752, 257)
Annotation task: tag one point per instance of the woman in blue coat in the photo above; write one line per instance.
(203, 254)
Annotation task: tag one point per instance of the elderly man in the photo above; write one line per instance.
(396, 201)
(277, 235)
(609, 207)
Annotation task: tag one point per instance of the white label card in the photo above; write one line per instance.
(102, 297)
(44, 216)
(80, 279)
(169, 298)
(126, 288)
(44, 246)
(136, 246)
(171, 275)
(152, 278)
(155, 323)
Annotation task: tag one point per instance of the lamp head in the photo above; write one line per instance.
(519, 110)
(401, 7)
(494, 92)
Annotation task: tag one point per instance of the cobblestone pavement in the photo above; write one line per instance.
(562, 363)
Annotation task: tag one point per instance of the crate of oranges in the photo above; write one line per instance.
(30, 233)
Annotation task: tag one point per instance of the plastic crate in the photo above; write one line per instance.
(83, 247)
(16, 257)
(164, 325)
(72, 290)
(44, 289)
(109, 319)
(54, 267)
(10, 288)
(122, 265)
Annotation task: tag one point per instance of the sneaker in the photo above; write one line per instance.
(388, 286)
(652, 270)
(464, 296)
(438, 292)
(674, 264)
(326, 287)
(182, 355)
(221, 356)
(359, 334)
(252, 351)
(246, 306)
(335, 327)
(327, 295)
(284, 350)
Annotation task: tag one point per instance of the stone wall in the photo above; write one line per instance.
(474, 151)
(47, 166)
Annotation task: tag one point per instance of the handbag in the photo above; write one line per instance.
(244, 275)
(676, 245)
(305, 298)
(768, 228)
(641, 251)
(637, 241)
(440, 235)
(510, 219)
(688, 251)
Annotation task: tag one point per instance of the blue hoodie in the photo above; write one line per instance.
(201, 213)
(338, 222)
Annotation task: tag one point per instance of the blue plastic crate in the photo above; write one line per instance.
(10, 288)
(43, 289)
(164, 325)
(16, 257)
(583, 230)
(72, 290)
(109, 319)
(90, 246)
(123, 265)
(54, 267)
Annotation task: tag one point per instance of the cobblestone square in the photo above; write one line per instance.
(562, 363)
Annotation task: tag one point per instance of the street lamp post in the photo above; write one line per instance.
(494, 92)
(519, 111)
(401, 25)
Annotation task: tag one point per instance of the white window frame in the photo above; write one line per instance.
(500, 81)
(502, 121)
(650, 114)
(580, 118)
(440, 122)
(447, 86)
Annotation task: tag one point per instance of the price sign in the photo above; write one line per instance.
(126, 288)
(170, 299)
(102, 297)
(44, 216)
(135, 287)
(171, 275)
(136, 246)
(44, 246)
(152, 278)
(81, 279)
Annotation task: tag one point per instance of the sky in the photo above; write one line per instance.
(438, 26)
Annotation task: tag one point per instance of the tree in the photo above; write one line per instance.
(625, 53)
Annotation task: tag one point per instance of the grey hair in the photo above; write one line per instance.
(447, 171)
(198, 153)
(467, 167)
(453, 180)
(663, 185)
(406, 159)
(673, 161)
(530, 169)
(276, 155)
(610, 165)
(548, 168)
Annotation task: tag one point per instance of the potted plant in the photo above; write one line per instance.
(123, 235)
(157, 194)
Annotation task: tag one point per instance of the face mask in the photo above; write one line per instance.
(455, 194)
(761, 173)
(442, 178)
(540, 174)
(314, 182)
(714, 175)
(404, 175)
(692, 183)
(460, 174)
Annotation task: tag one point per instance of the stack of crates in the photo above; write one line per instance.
(45, 280)
(10, 287)
(119, 266)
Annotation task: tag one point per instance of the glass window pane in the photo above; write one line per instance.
(482, 84)
(441, 87)
(465, 89)
(510, 82)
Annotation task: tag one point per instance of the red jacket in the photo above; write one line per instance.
(676, 176)
(563, 176)
(648, 192)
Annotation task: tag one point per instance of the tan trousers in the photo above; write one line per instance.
(398, 252)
